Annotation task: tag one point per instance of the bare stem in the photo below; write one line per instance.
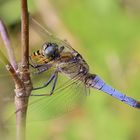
(21, 101)
(19, 85)
(21, 77)
(6, 40)
(24, 33)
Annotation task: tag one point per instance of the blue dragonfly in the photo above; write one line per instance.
(68, 78)
(57, 58)
(58, 55)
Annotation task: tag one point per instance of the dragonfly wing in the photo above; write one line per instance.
(64, 99)
(48, 36)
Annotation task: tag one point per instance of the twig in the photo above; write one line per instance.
(21, 77)
(15, 76)
(6, 40)
(24, 33)
(21, 101)
(11, 66)
(19, 85)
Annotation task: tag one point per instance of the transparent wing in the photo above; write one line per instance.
(48, 36)
(65, 98)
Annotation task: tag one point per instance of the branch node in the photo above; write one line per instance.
(19, 92)
(8, 67)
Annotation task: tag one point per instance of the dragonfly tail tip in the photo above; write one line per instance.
(138, 104)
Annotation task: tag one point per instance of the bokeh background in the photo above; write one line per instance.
(107, 34)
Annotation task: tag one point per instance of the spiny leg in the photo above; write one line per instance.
(54, 78)
(36, 66)
(41, 70)
(54, 83)
(47, 83)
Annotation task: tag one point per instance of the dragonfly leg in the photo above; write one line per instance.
(54, 83)
(44, 68)
(47, 83)
(41, 70)
(54, 78)
(37, 66)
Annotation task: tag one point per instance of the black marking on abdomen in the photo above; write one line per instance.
(38, 52)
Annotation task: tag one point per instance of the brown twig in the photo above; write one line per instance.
(11, 66)
(21, 101)
(24, 32)
(19, 85)
(20, 76)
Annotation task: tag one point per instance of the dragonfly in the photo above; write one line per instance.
(58, 58)
(68, 78)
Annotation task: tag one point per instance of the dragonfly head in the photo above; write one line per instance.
(50, 50)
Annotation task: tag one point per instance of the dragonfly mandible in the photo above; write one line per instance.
(58, 55)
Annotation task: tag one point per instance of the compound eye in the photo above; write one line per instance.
(50, 50)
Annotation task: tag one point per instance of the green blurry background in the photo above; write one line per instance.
(107, 34)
